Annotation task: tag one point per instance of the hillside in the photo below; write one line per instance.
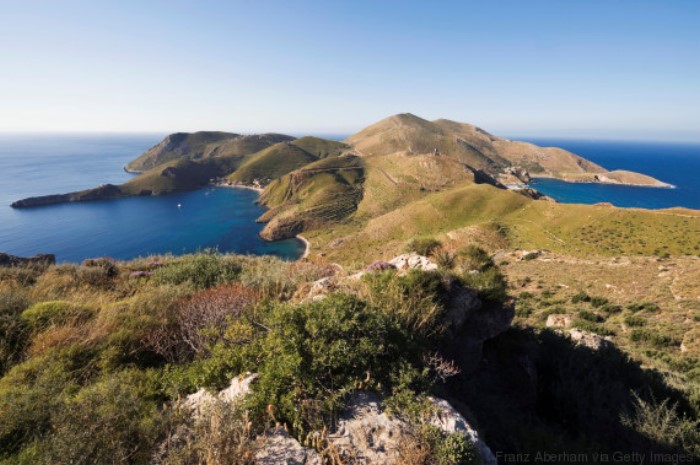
(175, 360)
(185, 161)
(201, 146)
(409, 134)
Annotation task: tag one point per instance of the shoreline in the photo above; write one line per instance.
(259, 190)
(663, 185)
(241, 186)
(307, 244)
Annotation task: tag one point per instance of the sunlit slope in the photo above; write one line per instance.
(578, 230)
(202, 146)
(326, 191)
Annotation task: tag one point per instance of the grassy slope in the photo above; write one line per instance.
(177, 146)
(272, 162)
(321, 148)
(579, 230)
(324, 191)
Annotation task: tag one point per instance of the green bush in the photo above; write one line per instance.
(580, 297)
(654, 338)
(589, 316)
(13, 331)
(472, 257)
(310, 356)
(203, 270)
(416, 300)
(44, 314)
(111, 421)
(444, 258)
(490, 284)
(643, 306)
(447, 449)
(661, 423)
(423, 246)
(635, 321)
(599, 301)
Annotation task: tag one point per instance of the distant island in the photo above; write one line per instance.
(185, 161)
(307, 183)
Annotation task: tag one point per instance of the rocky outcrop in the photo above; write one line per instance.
(560, 320)
(202, 400)
(413, 261)
(282, 228)
(277, 447)
(367, 434)
(40, 259)
(588, 339)
(450, 421)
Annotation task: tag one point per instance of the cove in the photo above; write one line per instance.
(214, 217)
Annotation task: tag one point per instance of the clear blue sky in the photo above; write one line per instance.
(609, 69)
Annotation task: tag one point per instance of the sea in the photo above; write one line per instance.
(38, 164)
(224, 218)
(677, 164)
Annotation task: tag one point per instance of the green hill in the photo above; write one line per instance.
(201, 146)
(272, 162)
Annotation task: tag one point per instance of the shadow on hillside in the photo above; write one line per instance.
(540, 393)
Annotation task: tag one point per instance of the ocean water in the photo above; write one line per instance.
(31, 165)
(673, 163)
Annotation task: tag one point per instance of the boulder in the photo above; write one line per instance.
(201, 400)
(451, 421)
(589, 339)
(366, 434)
(277, 447)
(413, 261)
(560, 320)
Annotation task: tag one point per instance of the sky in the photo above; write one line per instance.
(612, 69)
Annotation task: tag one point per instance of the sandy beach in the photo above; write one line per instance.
(242, 186)
(306, 242)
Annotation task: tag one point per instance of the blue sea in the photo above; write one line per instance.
(674, 163)
(224, 218)
(30, 165)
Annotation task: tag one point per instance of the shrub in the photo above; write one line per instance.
(599, 301)
(447, 449)
(423, 246)
(643, 306)
(589, 316)
(490, 284)
(110, 269)
(444, 258)
(309, 356)
(193, 325)
(13, 331)
(112, 421)
(203, 270)
(472, 257)
(279, 279)
(661, 423)
(611, 309)
(580, 297)
(653, 338)
(415, 301)
(54, 313)
(219, 436)
(635, 321)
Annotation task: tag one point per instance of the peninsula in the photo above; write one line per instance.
(185, 161)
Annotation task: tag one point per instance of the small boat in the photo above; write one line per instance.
(179, 205)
